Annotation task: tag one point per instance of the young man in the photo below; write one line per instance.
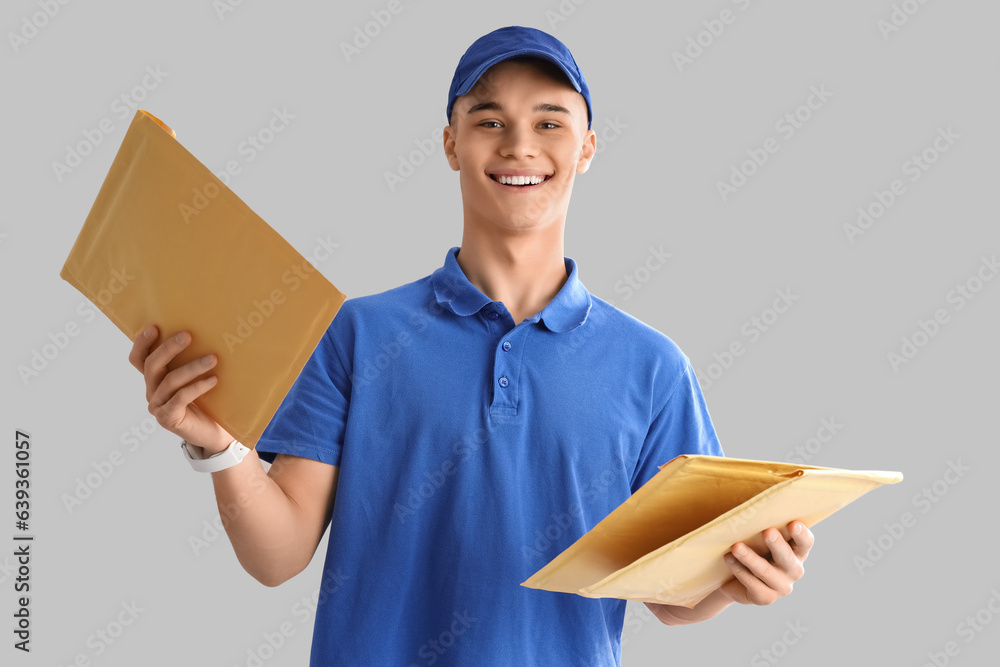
(472, 424)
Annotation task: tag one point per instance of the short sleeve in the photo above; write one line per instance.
(681, 426)
(312, 418)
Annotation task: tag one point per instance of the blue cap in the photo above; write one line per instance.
(509, 42)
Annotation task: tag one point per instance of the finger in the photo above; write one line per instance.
(155, 366)
(802, 539)
(759, 566)
(757, 592)
(739, 592)
(140, 348)
(782, 556)
(179, 377)
(171, 415)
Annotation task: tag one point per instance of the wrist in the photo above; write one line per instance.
(232, 455)
(213, 447)
(707, 608)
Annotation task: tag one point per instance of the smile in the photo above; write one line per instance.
(519, 181)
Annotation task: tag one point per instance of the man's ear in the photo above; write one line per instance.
(588, 152)
(449, 147)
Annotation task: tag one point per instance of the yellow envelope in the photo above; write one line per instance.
(167, 243)
(666, 542)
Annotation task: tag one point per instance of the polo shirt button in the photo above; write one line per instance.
(493, 315)
(503, 381)
(506, 345)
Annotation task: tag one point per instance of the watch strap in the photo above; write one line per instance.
(227, 458)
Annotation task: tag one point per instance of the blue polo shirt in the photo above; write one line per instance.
(471, 453)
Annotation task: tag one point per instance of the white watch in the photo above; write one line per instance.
(227, 458)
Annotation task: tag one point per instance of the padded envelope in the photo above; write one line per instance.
(167, 243)
(666, 542)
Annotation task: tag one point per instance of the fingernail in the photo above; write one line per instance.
(149, 332)
(730, 560)
(797, 529)
(771, 538)
(739, 550)
(181, 337)
(208, 359)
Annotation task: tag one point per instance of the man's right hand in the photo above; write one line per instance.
(170, 394)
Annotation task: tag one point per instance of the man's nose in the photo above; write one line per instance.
(520, 141)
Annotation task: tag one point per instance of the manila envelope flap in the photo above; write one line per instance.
(666, 542)
(167, 243)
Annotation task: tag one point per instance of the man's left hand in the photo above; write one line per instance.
(763, 579)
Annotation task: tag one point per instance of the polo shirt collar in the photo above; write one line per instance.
(567, 310)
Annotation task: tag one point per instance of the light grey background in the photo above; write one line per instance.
(671, 134)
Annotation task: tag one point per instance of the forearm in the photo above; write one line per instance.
(262, 522)
(709, 607)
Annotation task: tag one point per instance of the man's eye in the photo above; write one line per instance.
(551, 125)
(490, 122)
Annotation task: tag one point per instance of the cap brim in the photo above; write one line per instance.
(471, 81)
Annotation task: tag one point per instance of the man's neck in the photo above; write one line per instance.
(523, 271)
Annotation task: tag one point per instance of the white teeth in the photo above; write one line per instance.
(520, 180)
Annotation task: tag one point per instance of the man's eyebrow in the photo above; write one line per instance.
(543, 107)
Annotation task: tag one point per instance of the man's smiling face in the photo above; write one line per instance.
(518, 139)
